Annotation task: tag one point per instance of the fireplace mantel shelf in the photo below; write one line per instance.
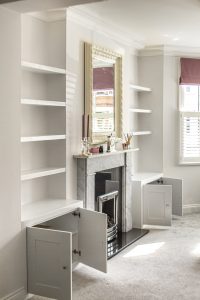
(105, 154)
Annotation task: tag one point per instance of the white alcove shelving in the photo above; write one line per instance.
(138, 111)
(43, 114)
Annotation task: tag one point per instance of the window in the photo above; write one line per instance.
(189, 106)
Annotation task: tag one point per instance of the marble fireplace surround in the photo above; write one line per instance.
(86, 170)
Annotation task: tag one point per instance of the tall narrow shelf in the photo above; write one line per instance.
(43, 126)
(140, 89)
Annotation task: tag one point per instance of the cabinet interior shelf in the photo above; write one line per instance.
(31, 174)
(39, 138)
(43, 102)
(139, 88)
(29, 66)
(141, 133)
(138, 110)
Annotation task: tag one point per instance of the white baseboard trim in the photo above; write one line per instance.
(19, 294)
(191, 208)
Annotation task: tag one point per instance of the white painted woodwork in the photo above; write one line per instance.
(43, 155)
(177, 195)
(138, 110)
(37, 212)
(92, 239)
(43, 102)
(39, 86)
(141, 133)
(139, 180)
(51, 246)
(26, 139)
(49, 263)
(146, 177)
(146, 201)
(157, 204)
(139, 88)
(12, 245)
(31, 174)
(42, 120)
(24, 6)
(33, 67)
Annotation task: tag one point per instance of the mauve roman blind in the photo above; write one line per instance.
(190, 120)
(190, 71)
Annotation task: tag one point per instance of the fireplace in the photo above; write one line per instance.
(108, 204)
(115, 167)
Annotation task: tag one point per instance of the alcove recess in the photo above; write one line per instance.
(43, 113)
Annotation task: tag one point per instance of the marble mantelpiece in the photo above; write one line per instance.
(88, 166)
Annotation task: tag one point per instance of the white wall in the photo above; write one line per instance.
(150, 69)
(12, 242)
(77, 33)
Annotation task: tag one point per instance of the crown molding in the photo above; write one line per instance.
(107, 29)
(170, 50)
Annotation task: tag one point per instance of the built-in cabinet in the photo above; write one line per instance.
(59, 231)
(155, 199)
(79, 236)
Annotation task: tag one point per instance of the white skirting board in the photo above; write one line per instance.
(19, 294)
(191, 208)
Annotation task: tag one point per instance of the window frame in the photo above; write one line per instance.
(183, 113)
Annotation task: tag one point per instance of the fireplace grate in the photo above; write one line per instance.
(108, 204)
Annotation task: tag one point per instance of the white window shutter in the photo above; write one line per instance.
(190, 136)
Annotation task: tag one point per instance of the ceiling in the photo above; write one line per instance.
(152, 22)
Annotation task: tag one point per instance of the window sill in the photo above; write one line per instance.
(189, 163)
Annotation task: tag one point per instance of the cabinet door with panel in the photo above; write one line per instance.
(161, 199)
(53, 246)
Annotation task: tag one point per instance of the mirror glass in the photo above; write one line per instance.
(103, 93)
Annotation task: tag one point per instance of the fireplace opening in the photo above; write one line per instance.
(108, 204)
(108, 199)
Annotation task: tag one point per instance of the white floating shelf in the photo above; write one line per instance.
(31, 174)
(139, 88)
(138, 110)
(39, 138)
(43, 210)
(141, 132)
(43, 102)
(29, 66)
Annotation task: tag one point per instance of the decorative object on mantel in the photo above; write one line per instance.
(128, 138)
(85, 143)
(94, 150)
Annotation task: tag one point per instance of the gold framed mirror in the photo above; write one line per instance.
(103, 92)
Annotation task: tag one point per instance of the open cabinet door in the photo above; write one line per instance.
(177, 195)
(157, 204)
(49, 263)
(92, 239)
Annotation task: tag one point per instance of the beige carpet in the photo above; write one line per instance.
(164, 264)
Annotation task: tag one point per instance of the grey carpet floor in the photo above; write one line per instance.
(164, 265)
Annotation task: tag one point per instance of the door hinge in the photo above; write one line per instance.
(77, 252)
(76, 214)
